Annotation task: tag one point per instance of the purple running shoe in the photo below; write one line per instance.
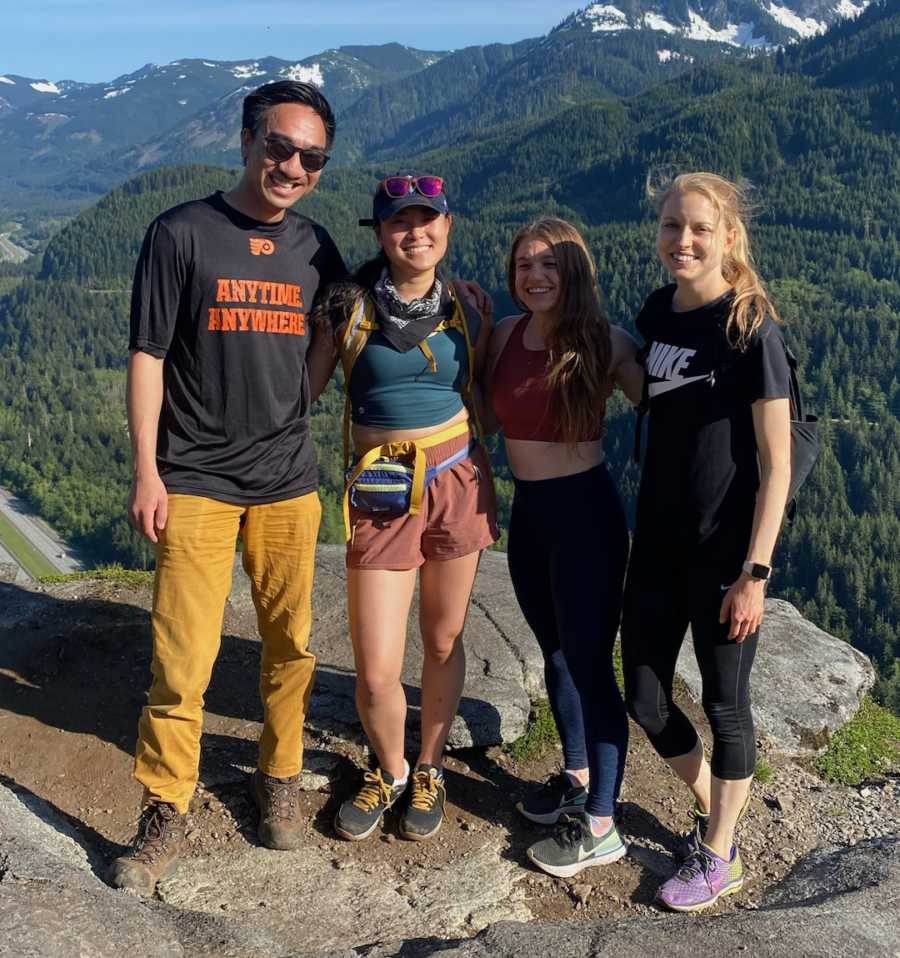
(702, 880)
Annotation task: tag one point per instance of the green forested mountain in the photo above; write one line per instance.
(815, 128)
(472, 92)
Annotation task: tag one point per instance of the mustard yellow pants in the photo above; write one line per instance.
(194, 559)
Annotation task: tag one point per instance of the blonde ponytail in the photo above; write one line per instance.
(751, 302)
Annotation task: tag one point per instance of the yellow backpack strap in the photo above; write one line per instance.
(468, 319)
(429, 355)
(356, 335)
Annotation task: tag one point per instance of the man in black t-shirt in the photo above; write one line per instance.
(218, 407)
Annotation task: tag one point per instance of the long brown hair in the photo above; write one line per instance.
(579, 340)
(751, 302)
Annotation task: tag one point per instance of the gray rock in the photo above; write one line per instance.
(806, 683)
(834, 904)
(504, 663)
(310, 899)
(52, 904)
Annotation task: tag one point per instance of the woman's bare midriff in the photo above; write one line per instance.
(368, 437)
(532, 459)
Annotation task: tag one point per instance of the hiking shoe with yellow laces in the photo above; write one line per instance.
(154, 852)
(425, 812)
(359, 816)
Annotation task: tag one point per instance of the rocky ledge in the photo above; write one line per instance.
(73, 670)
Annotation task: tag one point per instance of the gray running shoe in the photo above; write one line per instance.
(425, 812)
(359, 816)
(556, 797)
(574, 847)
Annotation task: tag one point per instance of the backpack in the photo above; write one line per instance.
(804, 429)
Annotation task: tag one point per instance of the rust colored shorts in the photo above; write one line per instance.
(458, 516)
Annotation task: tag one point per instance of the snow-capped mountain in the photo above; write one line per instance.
(739, 23)
(156, 97)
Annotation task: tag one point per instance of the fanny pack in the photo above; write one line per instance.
(391, 480)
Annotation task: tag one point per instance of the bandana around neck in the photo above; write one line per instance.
(404, 325)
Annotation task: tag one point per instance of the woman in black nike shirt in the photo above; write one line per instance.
(712, 496)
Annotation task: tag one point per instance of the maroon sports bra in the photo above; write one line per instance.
(519, 393)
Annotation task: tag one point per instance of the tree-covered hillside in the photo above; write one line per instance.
(815, 128)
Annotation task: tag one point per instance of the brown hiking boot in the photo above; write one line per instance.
(154, 852)
(279, 810)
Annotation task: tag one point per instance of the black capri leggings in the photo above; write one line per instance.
(568, 545)
(662, 597)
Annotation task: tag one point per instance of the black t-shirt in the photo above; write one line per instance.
(700, 474)
(225, 300)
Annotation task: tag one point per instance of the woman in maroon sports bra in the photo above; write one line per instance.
(552, 370)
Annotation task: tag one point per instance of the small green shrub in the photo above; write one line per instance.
(867, 745)
(541, 736)
(763, 773)
(106, 573)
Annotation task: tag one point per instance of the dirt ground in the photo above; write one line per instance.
(68, 715)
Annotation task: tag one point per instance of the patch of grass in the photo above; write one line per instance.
(541, 736)
(763, 773)
(115, 573)
(867, 745)
(23, 551)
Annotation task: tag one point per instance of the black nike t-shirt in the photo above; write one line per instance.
(700, 474)
(225, 301)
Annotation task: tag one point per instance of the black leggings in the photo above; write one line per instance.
(662, 597)
(568, 546)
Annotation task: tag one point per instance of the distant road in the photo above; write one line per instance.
(39, 535)
(10, 252)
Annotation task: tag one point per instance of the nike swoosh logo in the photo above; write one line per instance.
(583, 853)
(657, 389)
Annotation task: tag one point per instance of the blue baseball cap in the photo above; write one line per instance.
(385, 205)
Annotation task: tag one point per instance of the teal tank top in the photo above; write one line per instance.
(393, 390)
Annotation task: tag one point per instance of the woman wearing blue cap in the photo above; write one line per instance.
(419, 493)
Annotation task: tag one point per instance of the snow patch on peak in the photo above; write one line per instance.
(653, 21)
(206, 63)
(7, 80)
(604, 17)
(803, 27)
(42, 87)
(244, 71)
(734, 34)
(847, 8)
(302, 73)
(111, 93)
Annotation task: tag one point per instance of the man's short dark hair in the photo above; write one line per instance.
(287, 91)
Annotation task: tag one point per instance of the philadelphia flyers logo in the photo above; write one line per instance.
(261, 247)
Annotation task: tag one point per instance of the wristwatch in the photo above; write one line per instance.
(756, 570)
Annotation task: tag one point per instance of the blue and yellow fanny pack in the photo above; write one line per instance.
(390, 480)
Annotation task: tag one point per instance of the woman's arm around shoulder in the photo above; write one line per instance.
(499, 336)
(327, 324)
(626, 371)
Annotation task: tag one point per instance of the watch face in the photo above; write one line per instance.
(757, 570)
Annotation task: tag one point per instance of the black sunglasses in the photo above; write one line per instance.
(280, 149)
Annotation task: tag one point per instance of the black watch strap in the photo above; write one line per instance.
(756, 570)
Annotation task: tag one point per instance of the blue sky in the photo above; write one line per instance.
(97, 40)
